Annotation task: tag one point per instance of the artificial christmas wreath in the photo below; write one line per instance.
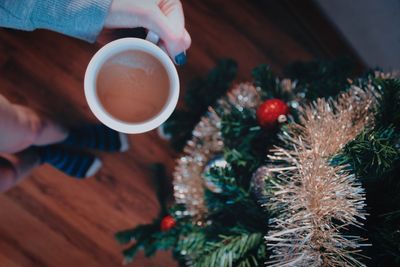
(300, 171)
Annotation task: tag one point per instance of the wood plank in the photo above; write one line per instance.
(53, 220)
(7, 261)
(38, 241)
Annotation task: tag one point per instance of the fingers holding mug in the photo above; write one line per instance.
(164, 18)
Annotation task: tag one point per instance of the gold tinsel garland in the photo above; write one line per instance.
(313, 200)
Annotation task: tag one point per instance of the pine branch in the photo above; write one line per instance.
(231, 250)
(320, 78)
(150, 238)
(237, 124)
(191, 245)
(269, 83)
(141, 236)
(231, 192)
(375, 157)
(388, 112)
(200, 94)
(372, 154)
(245, 142)
(233, 205)
(383, 224)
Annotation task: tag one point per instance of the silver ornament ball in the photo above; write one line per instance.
(216, 162)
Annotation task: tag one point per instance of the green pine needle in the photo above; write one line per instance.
(200, 94)
(388, 112)
(268, 82)
(231, 250)
(320, 78)
(372, 153)
(245, 142)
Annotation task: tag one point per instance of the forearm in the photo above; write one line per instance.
(83, 19)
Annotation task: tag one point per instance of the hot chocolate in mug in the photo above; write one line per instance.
(131, 85)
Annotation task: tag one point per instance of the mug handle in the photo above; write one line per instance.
(155, 39)
(152, 37)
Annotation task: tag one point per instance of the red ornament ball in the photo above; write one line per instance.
(167, 223)
(271, 112)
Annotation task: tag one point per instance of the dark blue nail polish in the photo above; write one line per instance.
(180, 59)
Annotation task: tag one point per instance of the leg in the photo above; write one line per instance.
(14, 168)
(98, 137)
(21, 127)
(78, 164)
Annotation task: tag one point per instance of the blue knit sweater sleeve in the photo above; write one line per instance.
(83, 19)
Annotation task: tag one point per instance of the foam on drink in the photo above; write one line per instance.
(133, 86)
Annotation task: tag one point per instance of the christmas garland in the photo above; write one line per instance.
(313, 199)
(274, 175)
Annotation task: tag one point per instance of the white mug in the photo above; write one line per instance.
(101, 57)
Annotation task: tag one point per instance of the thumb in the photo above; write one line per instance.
(173, 37)
(180, 53)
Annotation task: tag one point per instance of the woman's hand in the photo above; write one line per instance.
(163, 17)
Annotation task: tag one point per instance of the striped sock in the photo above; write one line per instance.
(97, 137)
(74, 163)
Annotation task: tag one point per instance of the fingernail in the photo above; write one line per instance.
(180, 59)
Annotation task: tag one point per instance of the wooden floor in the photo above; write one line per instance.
(52, 220)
